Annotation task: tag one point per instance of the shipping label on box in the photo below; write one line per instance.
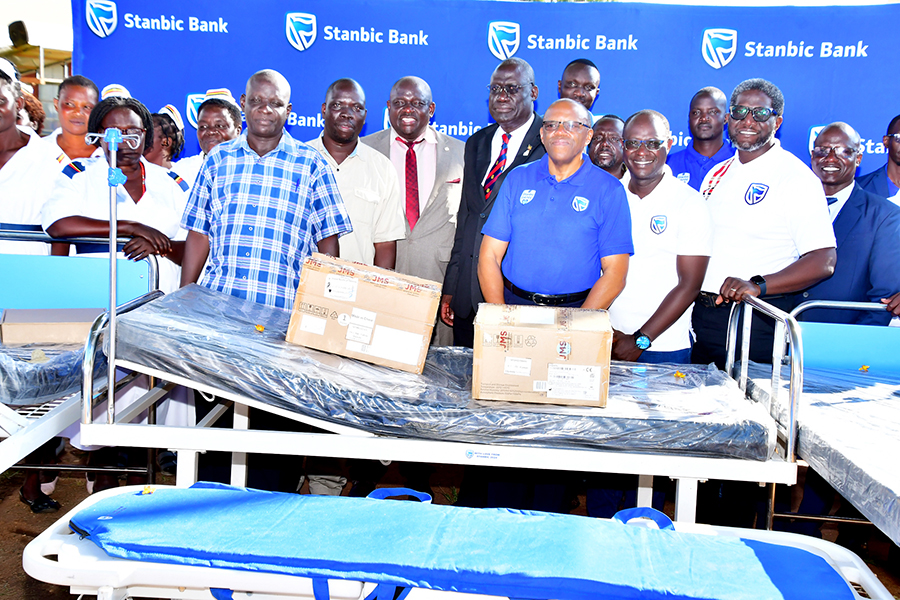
(47, 325)
(364, 312)
(541, 354)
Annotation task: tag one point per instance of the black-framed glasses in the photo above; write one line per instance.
(761, 114)
(570, 126)
(339, 106)
(511, 89)
(895, 137)
(652, 145)
(839, 151)
(401, 104)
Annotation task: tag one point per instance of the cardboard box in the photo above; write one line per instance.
(363, 312)
(541, 354)
(47, 325)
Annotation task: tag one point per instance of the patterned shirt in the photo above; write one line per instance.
(264, 215)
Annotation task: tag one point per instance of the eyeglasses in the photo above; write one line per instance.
(839, 151)
(570, 126)
(572, 85)
(510, 89)
(761, 114)
(339, 106)
(895, 137)
(401, 104)
(612, 138)
(652, 145)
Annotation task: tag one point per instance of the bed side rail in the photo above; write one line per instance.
(786, 328)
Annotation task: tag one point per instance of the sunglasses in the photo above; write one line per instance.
(761, 114)
(652, 145)
(839, 151)
(570, 126)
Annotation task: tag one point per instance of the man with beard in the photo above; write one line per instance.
(772, 233)
(366, 179)
(606, 147)
(706, 120)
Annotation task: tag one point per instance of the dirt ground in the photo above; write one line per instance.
(18, 526)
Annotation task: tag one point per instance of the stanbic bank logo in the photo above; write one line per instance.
(503, 38)
(193, 104)
(300, 29)
(101, 17)
(719, 47)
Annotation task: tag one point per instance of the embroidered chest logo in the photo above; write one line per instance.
(658, 224)
(527, 196)
(755, 193)
(580, 203)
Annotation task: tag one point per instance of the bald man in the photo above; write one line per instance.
(251, 256)
(431, 192)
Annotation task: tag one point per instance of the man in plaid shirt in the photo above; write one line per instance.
(261, 204)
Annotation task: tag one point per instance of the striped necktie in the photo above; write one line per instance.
(495, 171)
(412, 183)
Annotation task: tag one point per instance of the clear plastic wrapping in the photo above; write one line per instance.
(38, 374)
(239, 346)
(850, 434)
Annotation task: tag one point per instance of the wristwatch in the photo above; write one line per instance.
(761, 282)
(641, 340)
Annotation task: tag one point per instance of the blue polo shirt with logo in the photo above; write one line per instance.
(559, 230)
(691, 167)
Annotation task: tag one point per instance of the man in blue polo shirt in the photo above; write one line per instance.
(706, 120)
(560, 233)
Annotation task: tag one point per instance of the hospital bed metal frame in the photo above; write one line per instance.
(28, 427)
(688, 471)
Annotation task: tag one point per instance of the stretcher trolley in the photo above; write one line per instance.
(217, 541)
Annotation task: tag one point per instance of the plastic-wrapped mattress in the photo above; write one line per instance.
(35, 375)
(214, 338)
(850, 434)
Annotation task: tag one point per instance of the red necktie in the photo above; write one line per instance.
(495, 171)
(412, 183)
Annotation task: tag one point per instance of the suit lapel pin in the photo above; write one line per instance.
(527, 150)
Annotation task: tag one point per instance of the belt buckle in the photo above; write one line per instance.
(541, 299)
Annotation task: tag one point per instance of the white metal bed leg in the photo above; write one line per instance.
(186, 469)
(239, 459)
(645, 490)
(686, 500)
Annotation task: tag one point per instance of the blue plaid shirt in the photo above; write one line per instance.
(264, 216)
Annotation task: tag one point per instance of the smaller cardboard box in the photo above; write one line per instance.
(46, 325)
(541, 354)
(364, 312)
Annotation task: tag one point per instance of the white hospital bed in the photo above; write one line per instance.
(356, 442)
(27, 422)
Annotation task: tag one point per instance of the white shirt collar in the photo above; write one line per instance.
(842, 197)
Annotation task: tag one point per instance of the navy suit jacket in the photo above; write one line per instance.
(461, 279)
(875, 182)
(867, 231)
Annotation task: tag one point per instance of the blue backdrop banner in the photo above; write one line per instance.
(832, 63)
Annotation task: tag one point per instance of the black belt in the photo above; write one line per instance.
(708, 299)
(545, 299)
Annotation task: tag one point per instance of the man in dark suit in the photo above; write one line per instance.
(867, 230)
(490, 154)
(885, 181)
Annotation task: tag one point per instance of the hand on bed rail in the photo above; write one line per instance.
(893, 304)
(734, 289)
